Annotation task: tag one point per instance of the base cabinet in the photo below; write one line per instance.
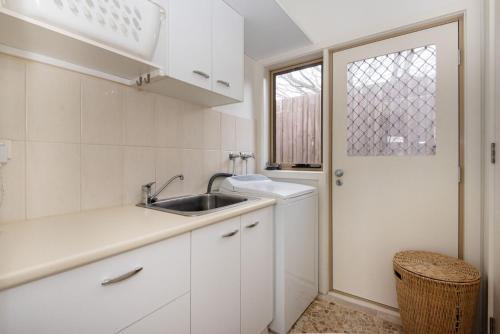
(172, 318)
(215, 281)
(83, 300)
(257, 271)
(232, 275)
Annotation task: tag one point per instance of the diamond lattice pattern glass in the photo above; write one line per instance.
(391, 104)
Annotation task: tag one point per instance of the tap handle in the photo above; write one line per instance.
(247, 155)
(148, 186)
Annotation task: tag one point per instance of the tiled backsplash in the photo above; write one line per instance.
(82, 143)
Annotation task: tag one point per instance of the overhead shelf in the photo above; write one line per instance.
(20, 34)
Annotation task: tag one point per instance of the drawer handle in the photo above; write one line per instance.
(121, 277)
(224, 83)
(201, 73)
(230, 234)
(253, 225)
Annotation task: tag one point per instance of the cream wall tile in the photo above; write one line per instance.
(251, 167)
(139, 169)
(211, 164)
(13, 174)
(139, 118)
(225, 164)
(102, 117)
(53, 104)
(240, 167)
(168, 164)
(193, 170)
(211, 130)
(168, 121)
(53, 178)
(12, 98)
(228, 132)
(191, 127)
(244, 134)
(102, 176)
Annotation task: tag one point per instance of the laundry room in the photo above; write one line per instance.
(249, 166)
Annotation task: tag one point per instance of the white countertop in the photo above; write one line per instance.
(33, 249)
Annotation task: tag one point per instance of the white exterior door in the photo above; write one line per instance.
(395, 157)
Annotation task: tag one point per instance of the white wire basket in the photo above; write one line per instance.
(132, 26)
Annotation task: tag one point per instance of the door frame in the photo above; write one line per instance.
(459, 18)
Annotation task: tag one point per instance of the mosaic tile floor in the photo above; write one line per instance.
(324, 316)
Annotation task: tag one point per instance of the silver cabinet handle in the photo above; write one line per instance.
(121, 277)
(253, 225)
(201, 73)
(225, 83)
(230, 234)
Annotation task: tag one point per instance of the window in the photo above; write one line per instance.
(296, 116)
(391, 104)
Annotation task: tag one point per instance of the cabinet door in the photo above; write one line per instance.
(76, 301)
(171, 318)
(190, 41)
(215, 280)
(257, 258)
(227, 51)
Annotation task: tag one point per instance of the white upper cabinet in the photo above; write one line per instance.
(205, 51)
(190, 42)
(227, 50)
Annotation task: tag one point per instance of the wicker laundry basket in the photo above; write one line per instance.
(437, 294)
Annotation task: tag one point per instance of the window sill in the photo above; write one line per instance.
(292, 174)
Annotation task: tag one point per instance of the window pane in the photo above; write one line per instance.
(391, 104)
(298, 115)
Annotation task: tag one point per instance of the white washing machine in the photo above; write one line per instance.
(296, 243)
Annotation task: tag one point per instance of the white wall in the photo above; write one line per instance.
(82, 143)
(335, 23)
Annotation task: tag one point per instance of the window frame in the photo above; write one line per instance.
(272, 111)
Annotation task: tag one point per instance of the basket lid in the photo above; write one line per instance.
(437, 266)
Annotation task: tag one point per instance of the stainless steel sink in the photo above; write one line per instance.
(196, 205)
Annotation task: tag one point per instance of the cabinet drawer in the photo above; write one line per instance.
(76, 301)
(172, 318)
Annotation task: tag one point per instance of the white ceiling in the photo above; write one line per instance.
(268, 29)
(338, 21)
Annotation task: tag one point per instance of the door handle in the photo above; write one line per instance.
(339, 172)
(253, 224)
(123, 277)
(230, 234)
(201, 73)
(224, 83)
